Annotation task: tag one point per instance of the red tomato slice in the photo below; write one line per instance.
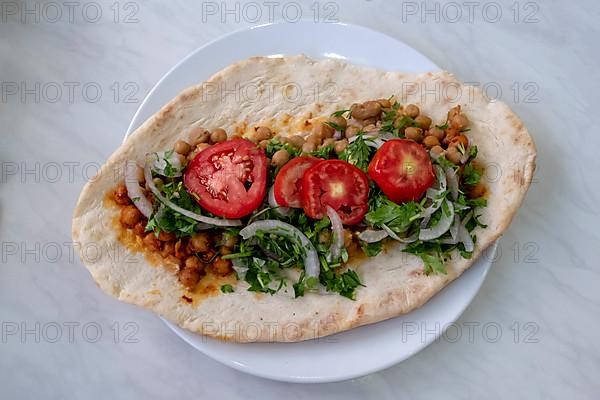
(402, 169)
(228, 179)
(338, 184)
(288, 182)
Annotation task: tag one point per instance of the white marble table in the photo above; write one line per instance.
(542, 293)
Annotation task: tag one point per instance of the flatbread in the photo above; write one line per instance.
(285, 93)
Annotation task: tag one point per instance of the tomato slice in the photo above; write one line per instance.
(402, 169)
(228, 179)
(338, 184)
(288, 182)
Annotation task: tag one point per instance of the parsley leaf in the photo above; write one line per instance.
(227, 288)
(357, 153)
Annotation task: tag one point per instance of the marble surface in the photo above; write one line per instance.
(542, 293)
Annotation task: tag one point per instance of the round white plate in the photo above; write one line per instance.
(362, 350)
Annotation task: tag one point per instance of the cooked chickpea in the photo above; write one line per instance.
(130, 216)
(151, 241)
(316, 140)
(460, 122)
(413, 133)
(121, 197)
(423, 121)
(230, 240)
(262, 133)
(385, 103)
(182, 147)
(189, 277)
(370, 128)
(340, 146)
(166, 236)
(182, 249)
(307, 147)
(221, 267)
(450, 134)
(168, 249)
(412, 111)
(431, 141)
(140, 228)
(352, 130)
(368, 122)
(328, 142)
(296, 141)
(198, 135)
(200, 242)
(219, 135)
(437, 132)
(158, 182)
(453, 155)
(366, 110)
(202, 146)
(263, 144)
(323, 130)
(459, 140)
(193, 262)
(453, 112)
(477, 190)
(280, 158)
(439, 150)
(339, 121)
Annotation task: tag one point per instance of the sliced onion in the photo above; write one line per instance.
(370, 236)
(335, 250)
(440, 174)
(134, 190)
(283, 211)
(465, 156)
(452, 182)
(187, 213)
(337, 135)
(454, 228)
(159, 164)
(239, 267)
(312, 266)
(441, 227)
(393, 235)
(465, 238)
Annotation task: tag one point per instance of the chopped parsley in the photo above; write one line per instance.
(227, 288)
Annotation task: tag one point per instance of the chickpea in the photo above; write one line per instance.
(193, 262)
(412, 111)
(423, 121)
(166, 236)
(151, 241)
(189, 277)
(459, 121)
(198, 135)
(340, 146)
(168, 249)
(370, 128)
(280, 158)
(453, 112)
(385, 103)
(368, 122)
(439, 150)
(262, 133)
(450, 134)
(181, 249)
(352, 130)
(202, 146)
(263, 144)
(339, 121)
(437, 132)
(453, 155)
(307, 147)
(121, 197)
(221, 267)
(130, 216)
(230, 241)
(413, 133)
(296, 141)
(323, 131)
(200, 242)
(476, 191)
(158, 182)
(314, 139)
(459, 140)
(182, 147)
(219, 135)
(431, 141)
(366, 110)
(328, 142)
(140, 228)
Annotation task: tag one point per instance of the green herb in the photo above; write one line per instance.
(371, 249)
(335, 126)
(344, 283)
(168, 220)
(275, 145)
(340, 113)
(357, 153)
(398, 217)
(443, 127)
(227, 288)
(471, 175)
(323, 152)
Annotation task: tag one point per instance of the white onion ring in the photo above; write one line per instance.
(370, 236)
(160, 163)
(283, 211)
(335, 250)
(187, 213)
(393, 235)
(134, 190)
(465, 156)
(441, 227)
(312, 266)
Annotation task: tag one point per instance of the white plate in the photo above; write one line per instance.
(366, 349)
